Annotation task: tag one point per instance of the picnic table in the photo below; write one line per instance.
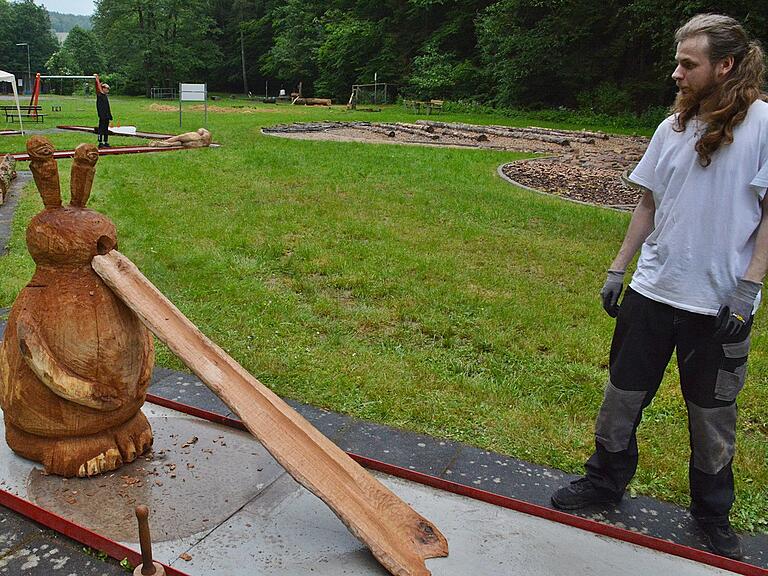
(29, 112)
(426, 105)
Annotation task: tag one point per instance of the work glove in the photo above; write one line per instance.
(614, 284)
(736, 311)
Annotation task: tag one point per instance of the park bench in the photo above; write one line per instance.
(33, 113)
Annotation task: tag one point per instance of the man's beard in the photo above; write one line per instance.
(691, 100)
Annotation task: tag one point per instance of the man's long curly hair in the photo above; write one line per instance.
(733, 97)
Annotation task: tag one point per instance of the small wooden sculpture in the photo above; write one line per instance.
(7, 174)
(200, 138)
(75, 362)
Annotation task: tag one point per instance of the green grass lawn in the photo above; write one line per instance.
(406, 285)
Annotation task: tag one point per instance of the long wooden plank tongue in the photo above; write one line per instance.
(398, 537)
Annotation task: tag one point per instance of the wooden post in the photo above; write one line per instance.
(148, 566)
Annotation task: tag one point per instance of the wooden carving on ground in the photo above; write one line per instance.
(200, 138)
(7, 174)
(75, 361)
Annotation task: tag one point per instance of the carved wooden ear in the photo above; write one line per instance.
(83, 170)
(44, 169)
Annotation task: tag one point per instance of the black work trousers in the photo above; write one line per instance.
(711, 376)
(103, 130)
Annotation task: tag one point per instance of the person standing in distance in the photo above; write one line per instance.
(102, 109)
(702, 231)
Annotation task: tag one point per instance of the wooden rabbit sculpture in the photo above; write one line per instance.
(75, 362)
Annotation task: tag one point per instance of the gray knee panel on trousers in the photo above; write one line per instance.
(617, 417)
(713, 436)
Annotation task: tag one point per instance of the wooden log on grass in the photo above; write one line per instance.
(573, 136)
(491, 131)
(464, 135)
(313, 101)
(422, 127)
(407, 130)
(398, 537)
(388, 132)
(581, 133)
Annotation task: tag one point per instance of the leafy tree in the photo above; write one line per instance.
(157, 42)
(348, 45)
(298, 34)
(433, 74)
(611, 57)
(80, 54)
(25, 22)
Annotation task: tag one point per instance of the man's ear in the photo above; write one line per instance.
(724, 67)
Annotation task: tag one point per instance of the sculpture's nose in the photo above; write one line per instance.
(105, 244)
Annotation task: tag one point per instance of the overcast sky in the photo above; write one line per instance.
(68, 6)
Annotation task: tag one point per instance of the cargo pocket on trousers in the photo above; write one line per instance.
(733, 370)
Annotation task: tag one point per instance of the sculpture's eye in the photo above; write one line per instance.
(105, 244)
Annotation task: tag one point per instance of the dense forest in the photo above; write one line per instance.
(65, 22)
(609, 57)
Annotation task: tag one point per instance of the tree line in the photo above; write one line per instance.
(610, 57)
(27, 24)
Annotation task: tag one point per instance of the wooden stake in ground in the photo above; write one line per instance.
(398, 537)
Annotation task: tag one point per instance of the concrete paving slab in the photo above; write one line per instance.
(43, 555)
(489, 471)
(332, 424)
(288, 532)
(217, 496)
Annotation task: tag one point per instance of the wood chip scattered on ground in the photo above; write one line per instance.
(581, 165)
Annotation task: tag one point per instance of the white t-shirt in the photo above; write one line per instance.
(706, 218)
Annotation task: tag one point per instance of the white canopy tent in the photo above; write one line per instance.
(8, 77)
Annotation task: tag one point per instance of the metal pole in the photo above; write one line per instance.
(29, 68)
(179, 104)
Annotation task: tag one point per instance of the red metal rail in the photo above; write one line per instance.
(112, 151)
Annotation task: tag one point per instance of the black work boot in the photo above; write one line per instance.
(723, 540)
(580, 494)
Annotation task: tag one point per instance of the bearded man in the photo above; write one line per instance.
(701, 230)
